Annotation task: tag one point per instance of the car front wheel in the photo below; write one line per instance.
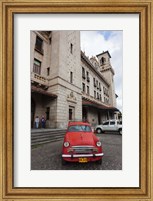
(99, 130)
(64, 162)
(99, 162)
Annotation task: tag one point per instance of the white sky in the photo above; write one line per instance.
(95, 42)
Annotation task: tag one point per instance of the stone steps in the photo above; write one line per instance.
(43, 136)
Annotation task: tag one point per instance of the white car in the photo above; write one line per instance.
(110, 125)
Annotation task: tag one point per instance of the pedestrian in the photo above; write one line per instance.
(43, 122)
(37, 122)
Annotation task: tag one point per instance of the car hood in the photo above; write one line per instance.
(80, 138)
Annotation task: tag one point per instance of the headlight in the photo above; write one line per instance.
(98, 144)
(66, 144)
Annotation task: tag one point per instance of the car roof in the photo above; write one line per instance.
(73, 123)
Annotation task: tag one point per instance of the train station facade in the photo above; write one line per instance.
(66, 84)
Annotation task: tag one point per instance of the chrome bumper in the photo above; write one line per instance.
(81, 155)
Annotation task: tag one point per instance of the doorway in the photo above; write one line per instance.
(71, 113)
(85, 114)
(33, 105)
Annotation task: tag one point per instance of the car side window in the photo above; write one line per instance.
(112, 123)
(106, 123)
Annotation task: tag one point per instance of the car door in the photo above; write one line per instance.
(106, 126)
(112, 126)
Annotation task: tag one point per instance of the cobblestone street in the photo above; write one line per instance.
(48, 156)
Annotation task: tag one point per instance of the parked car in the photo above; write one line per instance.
(81, 144)
(110, 125)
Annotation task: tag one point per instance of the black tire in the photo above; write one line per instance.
(100, 161)
(64, 162)
(120, 131)
(98, 130)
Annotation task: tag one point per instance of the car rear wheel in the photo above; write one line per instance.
(120, 131)
(99, 130)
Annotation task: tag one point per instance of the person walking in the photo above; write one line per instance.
(43, 122)
(37, 122)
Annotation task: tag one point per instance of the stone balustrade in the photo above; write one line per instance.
(91, 98)
(39, 79)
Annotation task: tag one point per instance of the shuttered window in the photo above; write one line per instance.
(37, 66)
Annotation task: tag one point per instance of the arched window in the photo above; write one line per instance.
(103, 60)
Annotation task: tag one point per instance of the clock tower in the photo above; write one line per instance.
(108, 72)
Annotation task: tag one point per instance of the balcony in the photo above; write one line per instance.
(95, 100)
(39, 80)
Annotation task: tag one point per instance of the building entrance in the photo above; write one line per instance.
(71, 113)
(85, 114)
(33, 105)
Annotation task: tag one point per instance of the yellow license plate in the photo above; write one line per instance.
(83, 160)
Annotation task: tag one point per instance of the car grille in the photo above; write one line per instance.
(83, 149)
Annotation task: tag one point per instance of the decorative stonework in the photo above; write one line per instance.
(71, 97)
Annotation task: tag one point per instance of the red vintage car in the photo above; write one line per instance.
(81, 144)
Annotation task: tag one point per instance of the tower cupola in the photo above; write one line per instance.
(104, 61)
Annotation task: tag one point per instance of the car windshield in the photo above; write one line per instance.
(77, 128)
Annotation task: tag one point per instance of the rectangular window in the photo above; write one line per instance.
(37, 66)
(104, 90)
(94, 81)
(88, 78)
(48, 71)
(71, 48)
(107, 93)
(88, 90)
(47, 113)
(71, 77)
(100, 97)
(50, 40)
(83, 87)
(97, 84)
(87, 74)
(83, 73)
(94, 94)
(39, 45)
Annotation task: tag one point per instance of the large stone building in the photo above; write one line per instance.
(66, 84)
